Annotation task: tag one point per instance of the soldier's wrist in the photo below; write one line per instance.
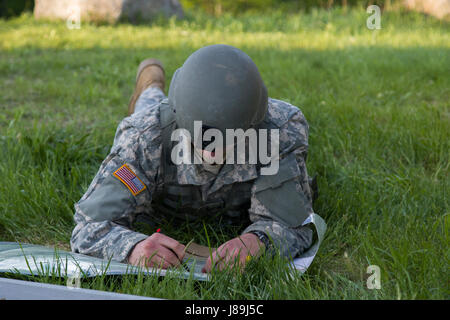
(263, 238)
(131, 251)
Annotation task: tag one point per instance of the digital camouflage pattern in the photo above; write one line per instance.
(106, 214)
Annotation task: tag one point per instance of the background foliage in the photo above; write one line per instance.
(218, 7)
(10, 8)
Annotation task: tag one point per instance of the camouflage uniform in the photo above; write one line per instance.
(107, 212)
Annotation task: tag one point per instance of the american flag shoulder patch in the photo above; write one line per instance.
(130, 179)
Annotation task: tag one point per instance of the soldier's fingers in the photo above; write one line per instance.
(220, 254)
(207, 266)
(158, 262)
(167, 255)
(238, 259)
(153, 259)
(225, 264)
(230, 260)
(172, 244)
(143, 261)
(223, 257)
(213, 258)
(209, 262)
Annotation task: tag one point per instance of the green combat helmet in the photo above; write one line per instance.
(221, 86)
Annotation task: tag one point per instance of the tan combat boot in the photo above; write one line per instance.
(150, 73)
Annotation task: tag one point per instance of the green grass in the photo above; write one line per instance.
(378, 107)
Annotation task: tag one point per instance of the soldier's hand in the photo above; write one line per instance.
(235, 252)
(158, 251)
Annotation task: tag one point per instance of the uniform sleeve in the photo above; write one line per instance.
(290, 239)
(106, 212)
